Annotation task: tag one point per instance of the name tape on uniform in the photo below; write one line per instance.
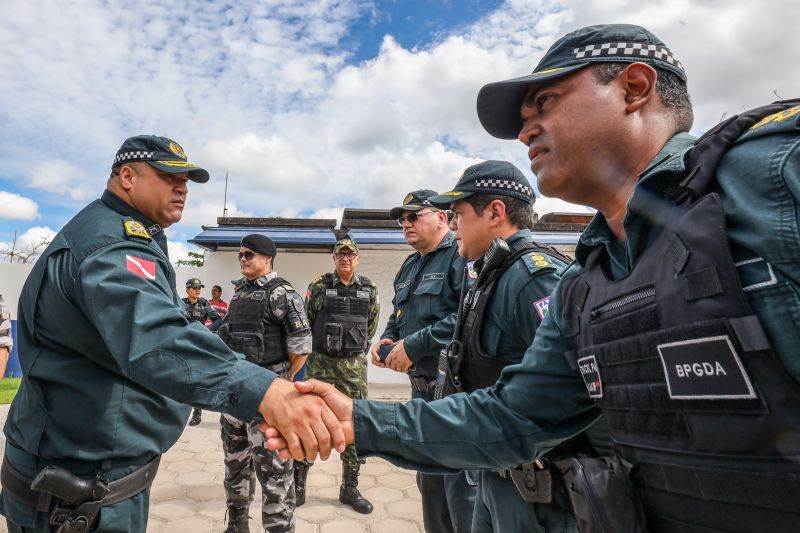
(705, 369)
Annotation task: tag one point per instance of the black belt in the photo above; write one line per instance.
(19, 486)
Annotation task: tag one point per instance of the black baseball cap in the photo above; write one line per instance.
(489, 177)
(260, 244)
(499, 102)
(414, 201)
(161, 153)
(194, 283)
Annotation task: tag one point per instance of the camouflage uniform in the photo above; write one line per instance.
(347, 374)
(246, 455)
(5, 328)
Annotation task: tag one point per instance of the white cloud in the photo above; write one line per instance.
(60, 177)
(33, 241)
(178, 251)
(16, 207)
(546, 205)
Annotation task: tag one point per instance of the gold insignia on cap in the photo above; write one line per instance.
(451, 193)
(548, 71)
(408, 199)
(184, 164)
(177, 150)
(134, 228)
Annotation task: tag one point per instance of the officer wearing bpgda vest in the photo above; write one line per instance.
(199, 310)
(492, 206)
(343, 309)
(110, 362)
(673, 322)
(267, 322)
(426, 291)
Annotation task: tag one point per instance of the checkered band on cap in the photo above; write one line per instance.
(628, 50)
(139, 155)
(504, 184)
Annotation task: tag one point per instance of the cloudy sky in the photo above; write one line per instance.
(314, 106)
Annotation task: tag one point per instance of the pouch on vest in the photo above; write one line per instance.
(602, 494)
(333, 336)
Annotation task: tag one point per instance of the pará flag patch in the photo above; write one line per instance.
(141, 267)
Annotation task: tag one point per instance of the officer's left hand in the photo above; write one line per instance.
(305, 421)
(398, 359)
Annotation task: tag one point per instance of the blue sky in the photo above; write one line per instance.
(313, 106)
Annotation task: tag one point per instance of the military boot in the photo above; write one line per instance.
(196, 414)
(237, 520)
(348, 492)
(300, 473)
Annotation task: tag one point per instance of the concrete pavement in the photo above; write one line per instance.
(187, 495)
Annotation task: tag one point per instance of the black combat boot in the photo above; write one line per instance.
(300, 473)
(348, 492)
(195, 417)
(237, 520)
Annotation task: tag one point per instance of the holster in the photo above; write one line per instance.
(602, 494)
(73, 502)
(534, 481)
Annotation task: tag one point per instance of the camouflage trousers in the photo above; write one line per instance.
(348, 375)
(247, 459)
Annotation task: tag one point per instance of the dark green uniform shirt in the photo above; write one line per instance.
(107, 354)
(426, 293)
(541, 401)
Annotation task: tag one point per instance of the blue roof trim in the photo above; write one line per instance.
(377, 236)
(231, 236)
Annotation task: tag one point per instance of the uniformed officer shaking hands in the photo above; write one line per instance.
(110, 361)
(266, 322)
(492, 206)
(675, 321)
(199, 310)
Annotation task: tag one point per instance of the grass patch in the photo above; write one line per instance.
(8, 389)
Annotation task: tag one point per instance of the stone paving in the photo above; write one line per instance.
(187, 495)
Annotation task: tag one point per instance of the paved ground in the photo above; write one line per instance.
(187, 495)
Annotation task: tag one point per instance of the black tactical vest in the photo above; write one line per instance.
(695, 396)
(340, 327)
(479, 368)
(195, 312)
(250, 328)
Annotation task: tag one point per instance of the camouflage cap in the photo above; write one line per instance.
(414, 201)
(159, 152)
(345, 243)
(499, 102)
(194, 283)
(489, 177)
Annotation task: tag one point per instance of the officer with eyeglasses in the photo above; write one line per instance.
(267, 322)
(426, 294)
(343, 310)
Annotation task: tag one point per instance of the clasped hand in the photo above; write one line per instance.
(319, 415)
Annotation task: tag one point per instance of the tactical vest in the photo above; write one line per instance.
(340, 327)
(696, 398)
(479, 368)
(195, 312)
(250, 328)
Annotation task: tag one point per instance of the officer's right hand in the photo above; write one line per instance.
(340, 404)
(376, 359)
(305, 421)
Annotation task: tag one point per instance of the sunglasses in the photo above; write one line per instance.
(412, 217)
(247, 255)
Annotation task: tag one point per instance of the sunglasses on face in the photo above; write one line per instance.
(247, 255)
(344, 255)
(412, 217)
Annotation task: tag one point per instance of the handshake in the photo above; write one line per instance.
(306, 418)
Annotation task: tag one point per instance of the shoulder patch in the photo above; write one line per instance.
(785, 121)
(135, 229)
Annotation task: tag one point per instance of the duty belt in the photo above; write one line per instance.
(73, 502)
(280, 368)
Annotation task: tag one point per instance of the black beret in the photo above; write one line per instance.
(260, 244)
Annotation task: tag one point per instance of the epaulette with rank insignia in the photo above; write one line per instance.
(134, 230)
(781, 122)
(536, 261)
